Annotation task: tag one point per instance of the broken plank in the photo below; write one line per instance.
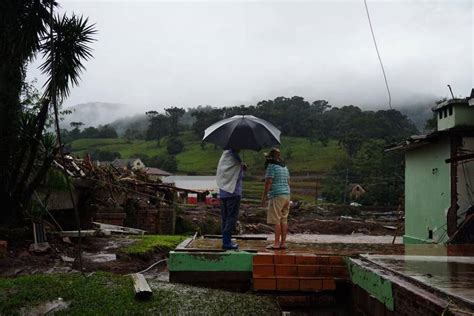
(120, 229)
(75, 233)
(141, 287)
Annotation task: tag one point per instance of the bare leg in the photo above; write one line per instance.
(276, 243)
(284, 230)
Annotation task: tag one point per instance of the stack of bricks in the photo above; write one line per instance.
(165, 224)
(294, 272)
(146, 219)
(110, 216)
(3, 248)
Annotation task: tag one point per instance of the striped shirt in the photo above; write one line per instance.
(280, 176)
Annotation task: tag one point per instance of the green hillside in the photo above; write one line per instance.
(300, 155)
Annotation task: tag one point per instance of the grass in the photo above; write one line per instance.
(300, 155)
(110, 294)
(149, 243)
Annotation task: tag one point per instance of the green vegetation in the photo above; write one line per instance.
(28, 148)
(304, 156)
(149, 243)
(110, 294)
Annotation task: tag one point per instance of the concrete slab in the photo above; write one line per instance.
(341, 248)
(452, 275)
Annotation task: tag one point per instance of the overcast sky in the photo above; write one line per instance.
(154, 54)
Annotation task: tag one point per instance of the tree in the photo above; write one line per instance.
(75, 133)
(170, 164)
(28, 28)
(159, 126)
(205, 118)
(174, 146)
(174, 114)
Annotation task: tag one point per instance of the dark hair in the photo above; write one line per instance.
(270, 160)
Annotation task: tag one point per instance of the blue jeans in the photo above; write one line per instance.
(229, 211)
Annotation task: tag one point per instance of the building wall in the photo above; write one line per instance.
(463, 115)
(427, 192)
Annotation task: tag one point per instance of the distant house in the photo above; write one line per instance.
(193, 183)
(155, 174)
(355, 191)
(439, 171)
(201, 186)
(130, 164)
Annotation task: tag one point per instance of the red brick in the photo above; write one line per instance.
(325, 270)
(264, 284)
(286, 270)
(263, 270)
(3, 248)
(288, 284)
(308, 271)
(263, 259)
(322, 260)
(329, 284)
(284, 259)
(336, 260)
(311, 284)
(306, 259)
(340, 272)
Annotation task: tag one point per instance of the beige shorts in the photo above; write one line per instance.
(278, 209)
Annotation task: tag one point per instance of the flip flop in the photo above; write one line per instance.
(272, 247)
(284, 247)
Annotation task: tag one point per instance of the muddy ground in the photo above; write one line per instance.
(98, 254)
(303, 219)
(105, 254)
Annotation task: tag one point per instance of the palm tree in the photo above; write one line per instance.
(29, 28)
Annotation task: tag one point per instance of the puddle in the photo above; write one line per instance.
(46, 308)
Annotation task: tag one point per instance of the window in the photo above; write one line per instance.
(450, 109)
(440, 114)
(445, 112)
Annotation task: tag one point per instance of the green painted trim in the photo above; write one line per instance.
(207, 261)
(410, 240)
(373, 283)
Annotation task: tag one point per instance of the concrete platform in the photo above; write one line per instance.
(428, 280)
(385, 278)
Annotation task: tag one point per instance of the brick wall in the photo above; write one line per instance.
(290, 272)
(165, 224)
(147, 219)
(115, 218)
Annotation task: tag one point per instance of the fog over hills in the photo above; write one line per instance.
(122, 116)
(98, 113)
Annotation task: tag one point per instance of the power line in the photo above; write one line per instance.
(378, 55)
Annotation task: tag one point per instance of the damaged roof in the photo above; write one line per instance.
(416, 141)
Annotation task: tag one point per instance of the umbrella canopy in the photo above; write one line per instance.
(242, 132)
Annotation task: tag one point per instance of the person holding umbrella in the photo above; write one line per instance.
(277, 192)
(233, 134)
(230, 172)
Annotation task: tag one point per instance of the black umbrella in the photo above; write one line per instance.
(242, 132)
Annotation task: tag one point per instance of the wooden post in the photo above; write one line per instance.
(452, 216)
(142, 289)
